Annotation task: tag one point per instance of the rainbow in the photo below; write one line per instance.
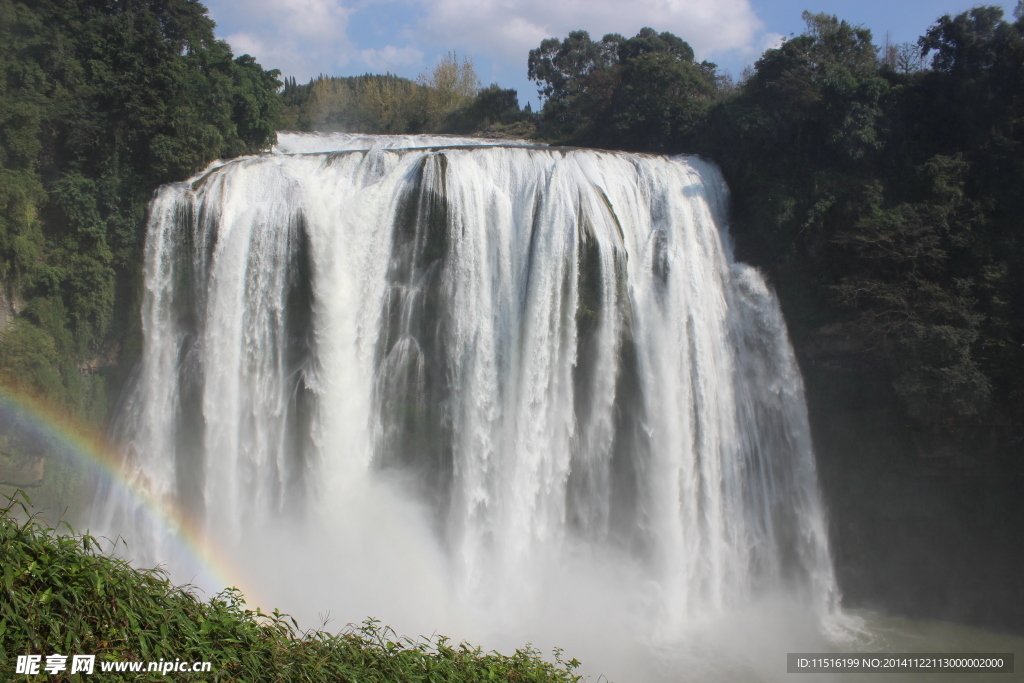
(58, 431)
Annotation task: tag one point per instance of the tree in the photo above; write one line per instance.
(648, 41)
(657, 103)
(494, 104)
(908, 58)
(908, 303)
(100, 102)
(451, 85)
(969, 43)
(560, 67)
(884, 201)
(644, 92)
(837, 43)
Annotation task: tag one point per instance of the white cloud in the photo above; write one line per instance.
(246, 44)
(305, 20)
(302, 38)
(770, 41)
(390, 58)
(508, 29)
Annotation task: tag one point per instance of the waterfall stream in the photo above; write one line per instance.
(435, 378)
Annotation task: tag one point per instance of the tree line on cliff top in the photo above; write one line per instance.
(447, 99)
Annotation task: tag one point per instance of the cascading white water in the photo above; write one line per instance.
(546, 360)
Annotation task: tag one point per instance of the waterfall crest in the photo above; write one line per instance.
(548, 350)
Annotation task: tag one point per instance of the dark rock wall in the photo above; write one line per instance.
(927, 524)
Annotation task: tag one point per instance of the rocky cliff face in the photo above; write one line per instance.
(21, 472)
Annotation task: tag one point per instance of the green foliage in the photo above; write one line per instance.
(658, 102)
(907, 304)
(100, 103)
(970, 43)
(648, 41)
(29, 359)
(643, 93)
(565, 71)
(62, 594)
(495, 104)
(450, 87)
(875, 198)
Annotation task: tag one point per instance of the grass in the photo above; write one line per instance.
(61, 594)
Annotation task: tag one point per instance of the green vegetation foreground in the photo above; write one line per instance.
(62, 595)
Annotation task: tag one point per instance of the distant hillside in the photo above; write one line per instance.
(449, 100)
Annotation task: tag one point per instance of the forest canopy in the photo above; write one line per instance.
(101, 101)
(644, 93)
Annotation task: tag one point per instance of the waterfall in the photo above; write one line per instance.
(540, 352)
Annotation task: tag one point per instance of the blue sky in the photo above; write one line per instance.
(304, 38)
